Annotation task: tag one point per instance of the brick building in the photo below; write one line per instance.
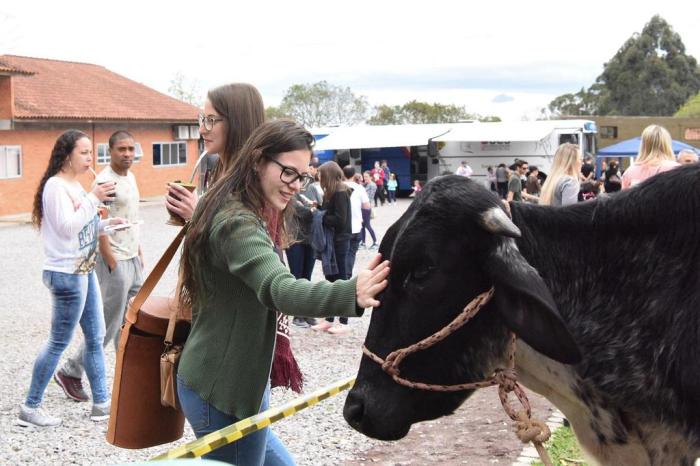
(41, 98)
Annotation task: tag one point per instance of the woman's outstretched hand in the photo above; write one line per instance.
(371, 282)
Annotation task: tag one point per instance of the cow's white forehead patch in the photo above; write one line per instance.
(509, 253)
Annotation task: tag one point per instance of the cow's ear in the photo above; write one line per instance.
(527, 306)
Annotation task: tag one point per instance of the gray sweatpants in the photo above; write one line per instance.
(117, 287)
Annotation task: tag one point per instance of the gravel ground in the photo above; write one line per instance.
(477, 434)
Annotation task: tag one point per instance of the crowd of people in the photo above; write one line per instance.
(573, 177)
(264, 196)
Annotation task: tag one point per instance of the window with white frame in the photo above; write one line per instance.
(169, 153)
(10, 161)
(103, 157)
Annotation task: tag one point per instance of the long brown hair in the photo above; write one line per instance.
(242, 106)
(242, 181)
(62, 149)
(331, 179)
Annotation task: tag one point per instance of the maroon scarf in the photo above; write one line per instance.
(285, 369)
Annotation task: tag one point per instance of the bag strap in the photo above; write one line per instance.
(154, 277)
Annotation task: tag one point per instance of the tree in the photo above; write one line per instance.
(584, 102)
(322, 104)
(186, 90)
(415, 112)
(650, 75)
(691, 109)
(274, 113)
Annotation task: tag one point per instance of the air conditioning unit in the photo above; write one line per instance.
(181, 132)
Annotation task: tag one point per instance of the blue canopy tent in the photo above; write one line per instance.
(630, 148)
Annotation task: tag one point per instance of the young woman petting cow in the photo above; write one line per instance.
(232, 278)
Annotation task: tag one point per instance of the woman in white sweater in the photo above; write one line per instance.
(69, 222)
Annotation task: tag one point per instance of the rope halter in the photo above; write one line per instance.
(527, 429)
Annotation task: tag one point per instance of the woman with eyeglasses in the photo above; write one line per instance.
(233, 279)
(231, 113)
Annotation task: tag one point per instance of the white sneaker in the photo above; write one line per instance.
(36, 417)
(100, 412)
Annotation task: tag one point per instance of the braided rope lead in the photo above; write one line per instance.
(526, 428)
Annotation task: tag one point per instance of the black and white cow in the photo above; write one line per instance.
(604, 297)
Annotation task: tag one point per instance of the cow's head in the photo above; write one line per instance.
(454, 242)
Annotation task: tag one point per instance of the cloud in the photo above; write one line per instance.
(502, 98)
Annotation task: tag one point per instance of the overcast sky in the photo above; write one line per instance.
(505, 58)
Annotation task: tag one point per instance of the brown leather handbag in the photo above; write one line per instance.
(138, 419)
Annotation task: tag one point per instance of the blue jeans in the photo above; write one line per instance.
(76, 299)
(366, 225)
(342, 248)
(262, 447)
(352, 254)
(301, 260)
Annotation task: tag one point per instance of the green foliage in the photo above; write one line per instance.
(322, 104)
(651, 75)
(186, 90)
(691, 109)
(274, 113)
(415, 112)
(563, 449)
(584, 102)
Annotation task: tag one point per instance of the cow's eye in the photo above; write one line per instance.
(422, 272)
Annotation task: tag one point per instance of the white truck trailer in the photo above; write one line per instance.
(485, 145)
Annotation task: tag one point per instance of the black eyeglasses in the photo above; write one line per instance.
(208, 121)
(289, 175)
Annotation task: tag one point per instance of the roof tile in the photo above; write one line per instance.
(68, 90)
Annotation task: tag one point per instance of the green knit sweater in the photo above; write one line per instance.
(228, 354)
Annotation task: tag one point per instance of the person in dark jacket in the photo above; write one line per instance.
(613, 179)
(300, 256)
(336, 204)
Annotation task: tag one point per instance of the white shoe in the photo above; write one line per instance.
(36, 417)
(100, 412)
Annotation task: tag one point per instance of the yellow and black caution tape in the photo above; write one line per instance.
(230, 434)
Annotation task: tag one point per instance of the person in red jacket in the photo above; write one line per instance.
(378, 176)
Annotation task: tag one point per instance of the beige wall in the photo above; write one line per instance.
(630, 127)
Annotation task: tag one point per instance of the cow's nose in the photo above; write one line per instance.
(354, 410)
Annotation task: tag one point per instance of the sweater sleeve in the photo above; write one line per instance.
(60, 208)
(248, 253)
(337, 213)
